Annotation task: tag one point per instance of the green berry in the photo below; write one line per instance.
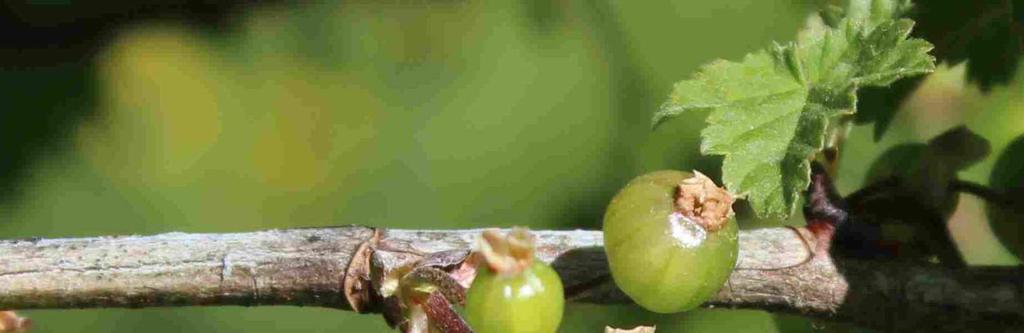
(671, 240)
(512, 292)
(527, 302)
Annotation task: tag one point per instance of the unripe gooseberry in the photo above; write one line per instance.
(671, 240)
(513, 292)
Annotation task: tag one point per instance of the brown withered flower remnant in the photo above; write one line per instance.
(699, 199)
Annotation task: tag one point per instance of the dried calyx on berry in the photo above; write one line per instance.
(508, 254)
(699, 199)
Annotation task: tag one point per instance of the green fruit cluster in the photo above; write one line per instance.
(671, 241)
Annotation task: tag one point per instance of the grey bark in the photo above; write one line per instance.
(331, 267)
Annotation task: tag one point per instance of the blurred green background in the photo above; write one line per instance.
(414, 115)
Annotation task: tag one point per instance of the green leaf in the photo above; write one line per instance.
(770, 111)
(875, 12)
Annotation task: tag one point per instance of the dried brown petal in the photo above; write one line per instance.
(439, 280)
(506, 254)
(442, 316)
(699, 199)
(357, 276)
(11, 322)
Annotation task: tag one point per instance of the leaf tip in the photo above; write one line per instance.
(667, 110)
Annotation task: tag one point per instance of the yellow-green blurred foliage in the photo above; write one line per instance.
(443, 115)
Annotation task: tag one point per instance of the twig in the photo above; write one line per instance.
(313, 267)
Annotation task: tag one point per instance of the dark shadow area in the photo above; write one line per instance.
(988, 34)
(587, 277)
(919, 297)
(41, 107)
(904, 210)
(47, 74)
(907, 230)
(1007, 219)
(787, 322)
(901, 268)
(42, 35)
(880, 105)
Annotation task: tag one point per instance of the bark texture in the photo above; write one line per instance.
(345, 268)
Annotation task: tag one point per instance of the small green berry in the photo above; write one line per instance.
(671, 240)
(513, 292)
